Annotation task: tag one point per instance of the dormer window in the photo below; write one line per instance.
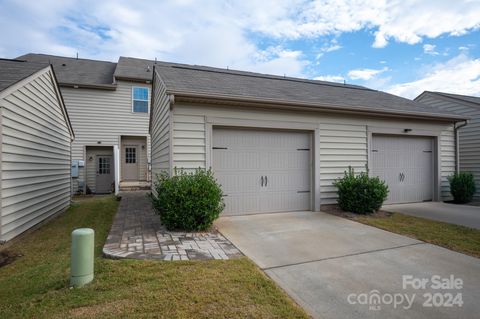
(140, 99)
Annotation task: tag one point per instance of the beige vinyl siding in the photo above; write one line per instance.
(340, 146)
(103, 116)
(189, 142)
(469, 135)
(343, 138)
(447, 146)
(160, 128)
(35, 156)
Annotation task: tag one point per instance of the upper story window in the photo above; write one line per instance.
(140, 99)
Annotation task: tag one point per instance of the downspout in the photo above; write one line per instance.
(457, 145)
(171, 102)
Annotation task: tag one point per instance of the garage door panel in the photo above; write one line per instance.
(233, 182)
(236, 203)
(240, 159)
(248, 139)
(406, 165)
(279, 201)
(234, 159)
(285, 160)
(265, 203)
(291, 180)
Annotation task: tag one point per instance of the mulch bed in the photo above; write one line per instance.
(337, 211)
(7, 257)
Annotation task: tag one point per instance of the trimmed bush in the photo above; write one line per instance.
(188, 201)
(462, 187)
(360, 193)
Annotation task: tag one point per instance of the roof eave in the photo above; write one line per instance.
(62, 101)
(313, 106)
(111, 87)
(133, 79)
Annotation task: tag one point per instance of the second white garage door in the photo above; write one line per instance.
(262, 171)
(406, 165)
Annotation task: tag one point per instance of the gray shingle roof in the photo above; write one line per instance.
(134, 69)
(181, 79)
(209, 81)
(77, 71)
(141, 69)
(13, 71)
(466, 98)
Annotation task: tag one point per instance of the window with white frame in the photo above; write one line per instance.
(140, 99)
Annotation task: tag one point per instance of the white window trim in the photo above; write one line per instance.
(148, 99)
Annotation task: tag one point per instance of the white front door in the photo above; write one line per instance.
(104, 174)
(262, 171)
(130, 163)
(406, 164)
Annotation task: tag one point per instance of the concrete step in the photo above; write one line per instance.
(134, 186)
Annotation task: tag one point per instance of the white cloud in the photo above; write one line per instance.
(332, 48)
(217, 32)
(212, 33)
(459, 75)
(365, 74)
(406, 21)
(330, 78)
(276, 60)
(329, 47)
(430, 49)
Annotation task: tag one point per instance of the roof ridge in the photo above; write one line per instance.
(213, 69)
(268, 76)
(12, 60)
(67, 57)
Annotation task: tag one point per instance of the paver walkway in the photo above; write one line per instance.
(138, 233)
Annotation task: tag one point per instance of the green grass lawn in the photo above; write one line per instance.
(37, 284)
(459, 238)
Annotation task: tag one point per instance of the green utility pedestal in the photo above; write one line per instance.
(82, 256)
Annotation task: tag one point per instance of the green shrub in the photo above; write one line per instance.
(188, 201)
(462, 187)
(360, 193)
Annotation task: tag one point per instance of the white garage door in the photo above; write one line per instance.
(262, 171)
(406, 164)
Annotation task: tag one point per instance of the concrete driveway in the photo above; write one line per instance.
(465, 215)
(331, 266)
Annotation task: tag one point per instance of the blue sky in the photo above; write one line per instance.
(400, 46)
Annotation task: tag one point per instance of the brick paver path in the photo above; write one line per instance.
(137, 233)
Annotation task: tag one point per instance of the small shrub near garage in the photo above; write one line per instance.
(188, 201)
(360, 193)
(462, 187)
